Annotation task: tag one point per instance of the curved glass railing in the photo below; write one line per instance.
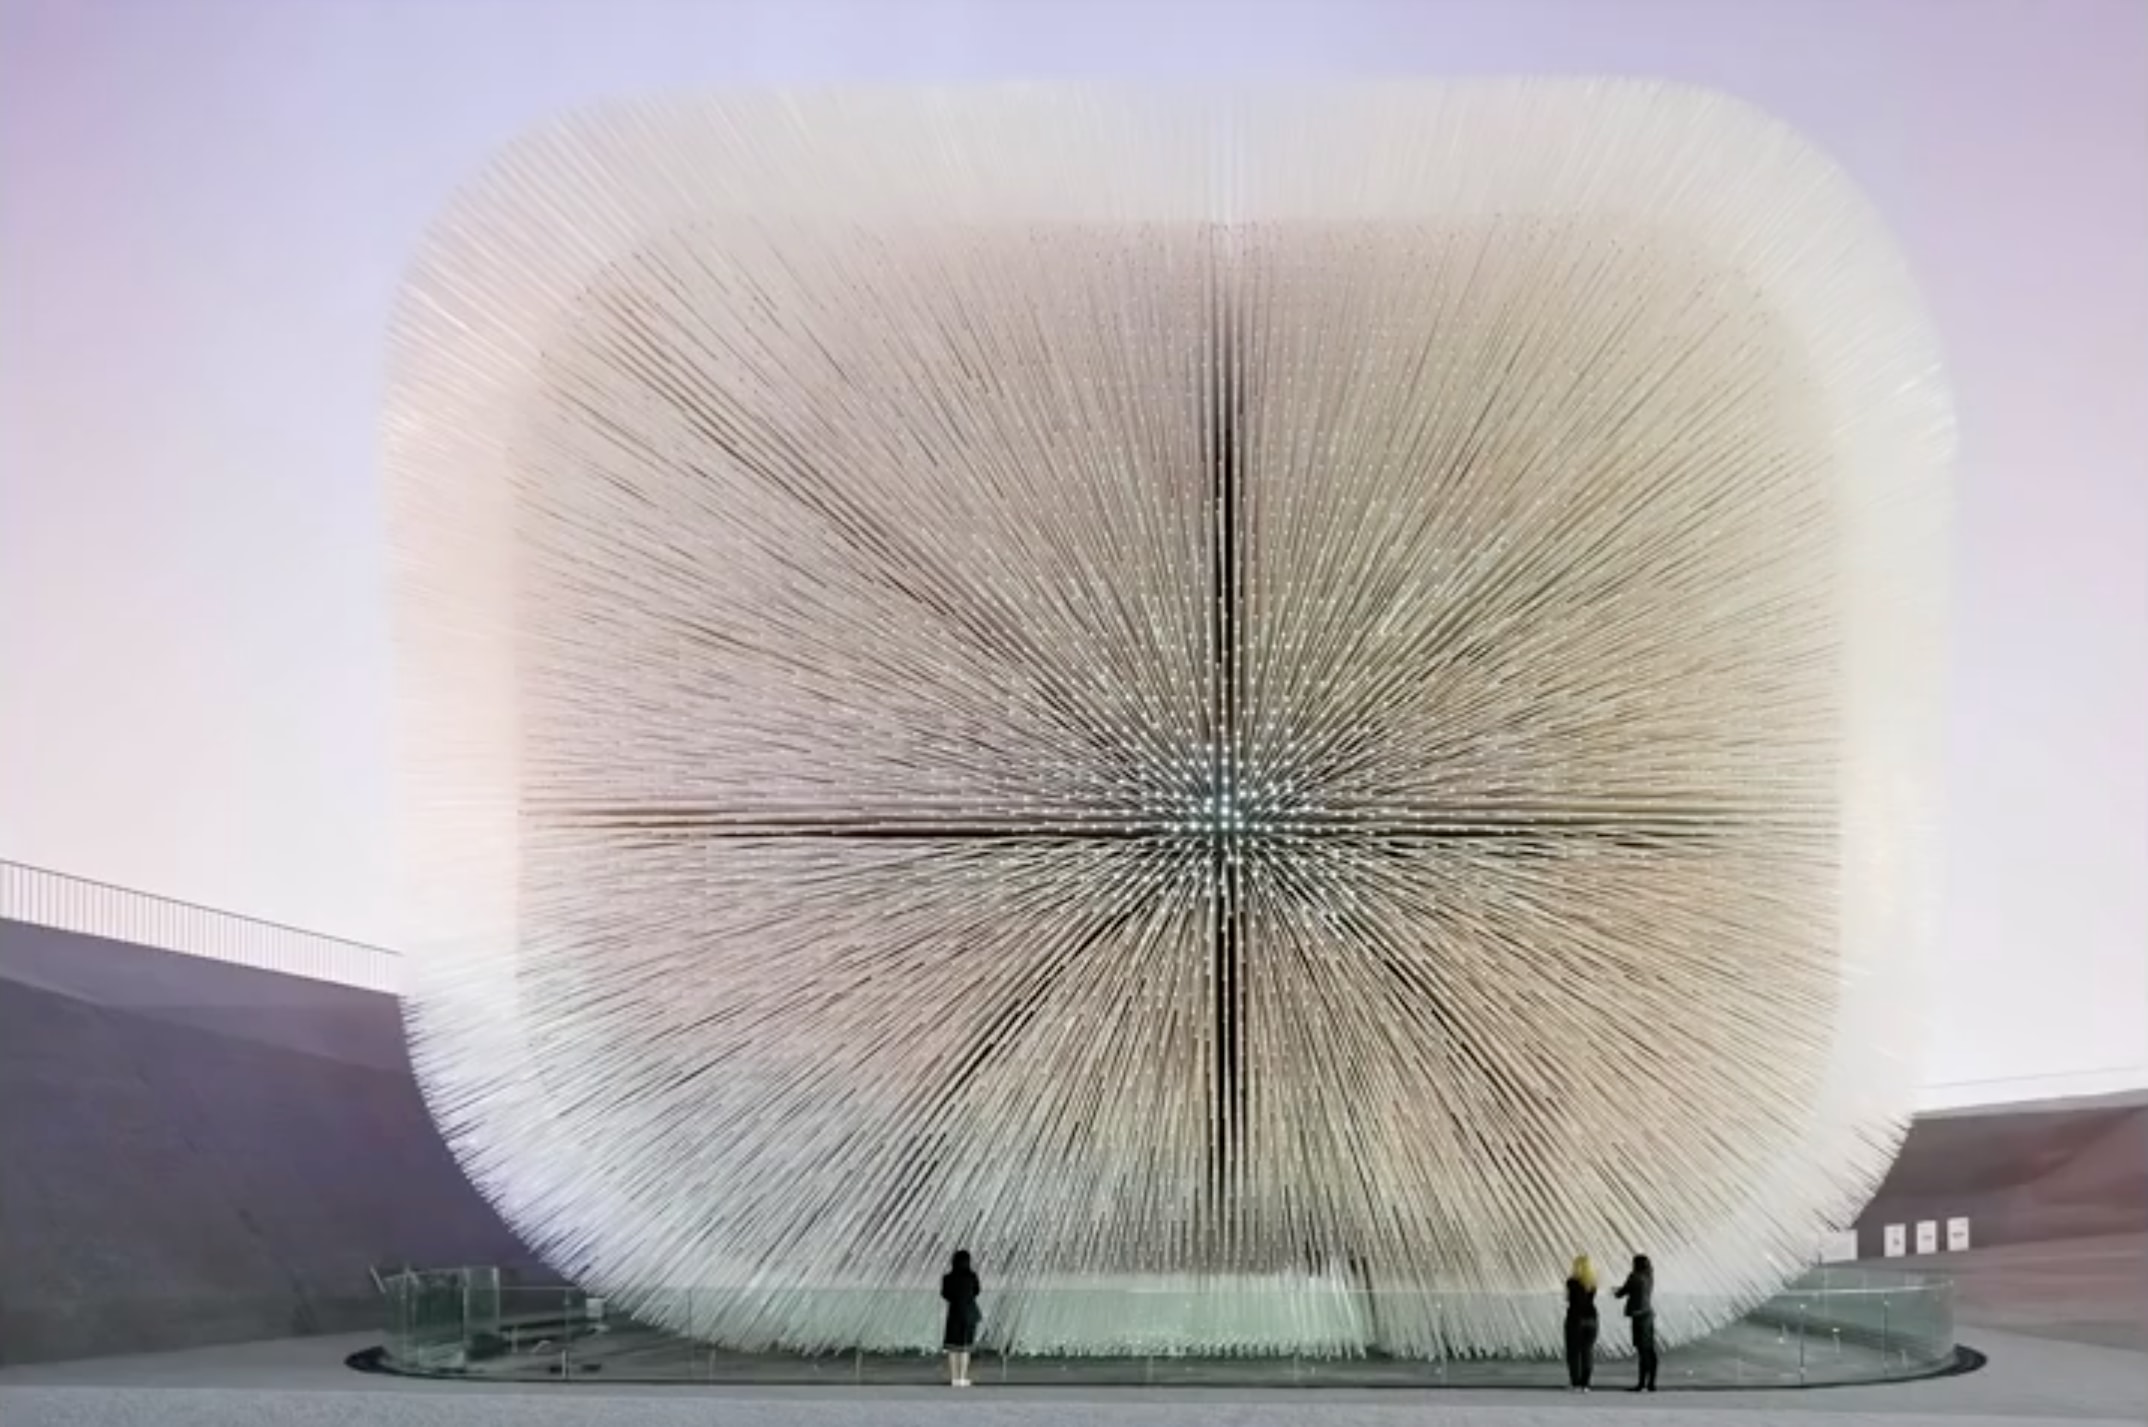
(1835, 1325)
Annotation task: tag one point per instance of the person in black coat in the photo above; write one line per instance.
(959, 1287)
(1580, 1324)
(1639, 1291)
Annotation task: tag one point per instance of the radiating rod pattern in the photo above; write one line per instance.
(1274, 710)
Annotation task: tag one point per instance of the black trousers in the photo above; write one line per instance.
(1580, 1351)
(1644, 1347)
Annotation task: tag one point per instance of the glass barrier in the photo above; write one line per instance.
(1832, 1326)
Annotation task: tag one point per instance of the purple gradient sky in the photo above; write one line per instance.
(204, 209)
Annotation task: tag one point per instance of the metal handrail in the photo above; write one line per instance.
(64, 901)
(10, 864)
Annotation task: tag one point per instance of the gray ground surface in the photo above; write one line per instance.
(2092, 1291)
(224, 1410)
(2029, 1381)
(2052, 1318)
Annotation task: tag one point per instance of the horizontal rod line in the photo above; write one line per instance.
(1058, 831)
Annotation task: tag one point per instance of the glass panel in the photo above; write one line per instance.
(434, 1325)
(1832, 1326)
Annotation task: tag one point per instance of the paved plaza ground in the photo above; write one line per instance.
(2059, 1324)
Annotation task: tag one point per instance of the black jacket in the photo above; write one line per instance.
(1639, 1291)
(1580, 1302)
(961, 1290)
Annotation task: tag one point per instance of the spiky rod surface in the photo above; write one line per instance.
(1274, 709)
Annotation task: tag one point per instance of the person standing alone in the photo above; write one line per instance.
(1580, 1324)
(959, 1287)
(1639, 1291)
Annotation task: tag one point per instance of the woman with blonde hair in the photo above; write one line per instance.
(1580, 1324)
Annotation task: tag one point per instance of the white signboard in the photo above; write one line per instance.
(1927, 1236)
(1957, 1235)
(1897, 1241)
(1838, 1247)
